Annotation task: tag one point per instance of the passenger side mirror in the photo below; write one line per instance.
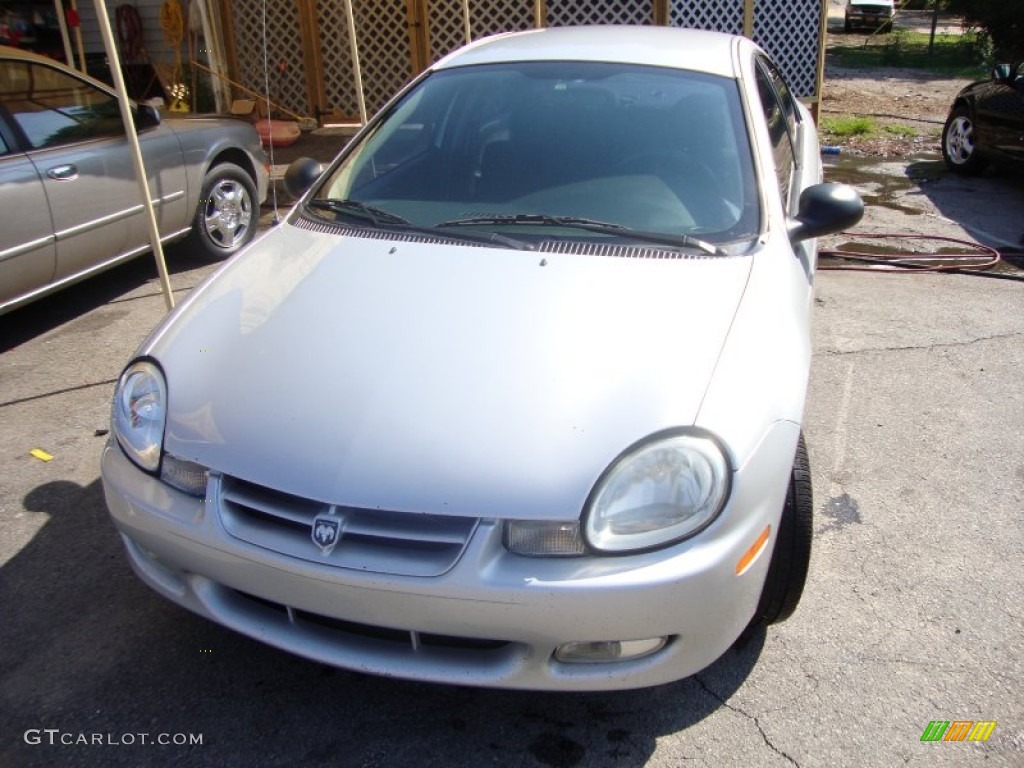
(301, 175)
(1001, 72)
(824, 209)
(146, 117)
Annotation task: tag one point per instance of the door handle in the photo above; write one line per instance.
(67, 172)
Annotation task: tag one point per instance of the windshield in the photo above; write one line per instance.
(502, 146)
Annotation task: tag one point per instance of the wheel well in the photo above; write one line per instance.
(962, 102)
(236, 156)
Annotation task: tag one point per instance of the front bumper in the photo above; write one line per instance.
(494, 619)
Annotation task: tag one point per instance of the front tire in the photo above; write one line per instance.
(227, 214)
(959, 149)
(787, 572)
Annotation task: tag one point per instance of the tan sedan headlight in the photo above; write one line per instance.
(140, 412)
(657, 493)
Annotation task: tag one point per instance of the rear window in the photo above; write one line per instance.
(649, 148)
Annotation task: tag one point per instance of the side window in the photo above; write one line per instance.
(53, 108)
(785, 95)
(4, 149)
(778, 130)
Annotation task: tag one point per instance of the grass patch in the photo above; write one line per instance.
(845, 126)
(902, 131)
(963, 55)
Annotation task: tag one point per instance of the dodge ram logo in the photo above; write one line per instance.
(327, 530)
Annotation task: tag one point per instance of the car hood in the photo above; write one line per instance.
(435, 377)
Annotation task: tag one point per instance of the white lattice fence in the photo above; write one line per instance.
(336, 61)
(569, 12)
(385, 56)
(788, 29)
(488, 17)
(790, 33)
(718, 15)
(283, 46)
(447, 27)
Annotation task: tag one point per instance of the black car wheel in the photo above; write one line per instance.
(958, 143)
(227, 214)
(787, 571)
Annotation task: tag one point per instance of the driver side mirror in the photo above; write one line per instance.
(146, 117)
(1001, 72)
(824, 209)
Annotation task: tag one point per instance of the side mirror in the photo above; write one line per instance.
(824, 209)
(1001, 72)
(146, 117)
(301, 175)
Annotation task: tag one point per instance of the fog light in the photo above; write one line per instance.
(184, 475)
(609, 650)
(544, 538)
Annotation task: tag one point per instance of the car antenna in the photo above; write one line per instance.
(270, 126)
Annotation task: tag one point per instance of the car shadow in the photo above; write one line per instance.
(985, 205)
(111, 286)
(86, 648)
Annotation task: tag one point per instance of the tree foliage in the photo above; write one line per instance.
(1002, 20)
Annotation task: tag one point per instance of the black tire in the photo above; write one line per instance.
(227, 214)
(959, 149)
(787, 571)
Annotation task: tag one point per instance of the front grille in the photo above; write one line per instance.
(379, 541)
(348, 632)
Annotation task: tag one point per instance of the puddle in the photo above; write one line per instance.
(884, 181)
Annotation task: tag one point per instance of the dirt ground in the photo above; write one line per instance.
(893, 97)
(907, 98)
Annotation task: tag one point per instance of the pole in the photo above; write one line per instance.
(465, 21)
(935, 23)
(356, 70)
(133, 145)
(62, 22)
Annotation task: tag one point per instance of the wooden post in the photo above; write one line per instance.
(356, 70)
(311, 58)
(748, 19)
(819, 75)
(136, 151)
(661, 13)
(62, 22)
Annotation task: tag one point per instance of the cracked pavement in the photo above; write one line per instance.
(912, 610)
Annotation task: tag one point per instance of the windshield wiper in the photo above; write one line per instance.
(381, 218)
(372, 213)
(590, 225)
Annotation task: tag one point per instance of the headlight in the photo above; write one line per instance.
(657, 493)
(140, 412)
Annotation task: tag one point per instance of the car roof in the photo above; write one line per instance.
(20, 53)
(690, 49)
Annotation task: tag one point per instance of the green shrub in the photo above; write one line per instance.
(845, 126)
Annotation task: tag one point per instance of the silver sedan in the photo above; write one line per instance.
(513, 397)
(67, 184)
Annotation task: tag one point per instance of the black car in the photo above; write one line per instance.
(986, 121)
